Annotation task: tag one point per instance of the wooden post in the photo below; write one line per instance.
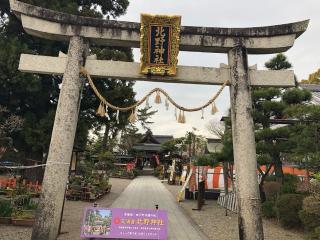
(249, 205)
(54, 183)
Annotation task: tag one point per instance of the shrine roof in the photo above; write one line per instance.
(315, 91)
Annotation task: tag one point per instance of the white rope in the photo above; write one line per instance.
(34, 166)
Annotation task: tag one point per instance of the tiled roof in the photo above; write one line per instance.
(315, 90)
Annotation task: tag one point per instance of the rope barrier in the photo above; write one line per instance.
(34, 166)
(104, 104)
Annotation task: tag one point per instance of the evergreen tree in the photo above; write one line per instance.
(273, 142)
(305, 136)
(33, 97)
(268, 104)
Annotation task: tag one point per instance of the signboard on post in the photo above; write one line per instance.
(160, 38)
(124, 223)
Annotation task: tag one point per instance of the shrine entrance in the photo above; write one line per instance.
(81, 32)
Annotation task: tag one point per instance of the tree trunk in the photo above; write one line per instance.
(278, 169)
(106, 136)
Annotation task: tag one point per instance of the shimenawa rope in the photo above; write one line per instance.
(104, 104)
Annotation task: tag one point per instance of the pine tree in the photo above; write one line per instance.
(33, 97)
(305, 136)
(268, 104)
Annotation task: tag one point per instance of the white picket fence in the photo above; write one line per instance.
(229, 201)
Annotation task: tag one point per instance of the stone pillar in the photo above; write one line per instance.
(244, 148)
(56, 174)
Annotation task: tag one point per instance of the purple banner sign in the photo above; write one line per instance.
(124, 223)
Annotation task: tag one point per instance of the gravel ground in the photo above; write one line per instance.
(217, 226)
(72, 217)
(211, 219)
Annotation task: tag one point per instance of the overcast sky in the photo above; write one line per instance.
(305, 54)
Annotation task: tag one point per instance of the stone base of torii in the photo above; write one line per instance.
(81, 31)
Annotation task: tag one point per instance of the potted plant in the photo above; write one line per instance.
(5, 212)
(23, 217)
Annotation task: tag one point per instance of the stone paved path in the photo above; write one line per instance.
(146, 192)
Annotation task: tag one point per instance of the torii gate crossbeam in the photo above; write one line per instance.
(236, 42)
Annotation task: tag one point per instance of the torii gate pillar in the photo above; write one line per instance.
(62, 139)
(244, 148)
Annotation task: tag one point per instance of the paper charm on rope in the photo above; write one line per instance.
(159, 45)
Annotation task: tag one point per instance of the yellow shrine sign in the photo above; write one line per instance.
(159, 45)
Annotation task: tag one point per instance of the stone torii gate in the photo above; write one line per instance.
(82, 31)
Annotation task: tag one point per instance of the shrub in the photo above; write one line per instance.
(290, 183)
(272, 190)
(310, 214)
(287, 209)
(271, 178)
(314, 188)
(317, 232)
(6, 209)
(267, 209)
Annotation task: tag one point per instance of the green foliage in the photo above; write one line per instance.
(287, 208)
(278, 63)
(310, 213)
(34, 98)
(305, 135)
(267, 209)
(317, 232)
(269, 104)
(144, 115)
(106, 160)
(272, 190)
(30, 206)
(296, 96)
(206, 160)
(88, 8)
(174, 146)
(290, 183)
(129, 137)
(226, 153)
(23, 214)
(6, 208)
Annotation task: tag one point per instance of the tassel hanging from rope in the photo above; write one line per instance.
(104, 104)
(133, 116)
(101, 110)
(158, 98)
(214, 108)
(180, 117)
(183, 119)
